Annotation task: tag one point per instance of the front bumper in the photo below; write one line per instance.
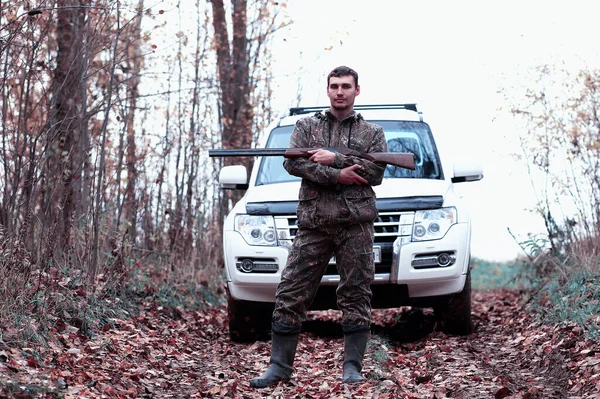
(404, 277)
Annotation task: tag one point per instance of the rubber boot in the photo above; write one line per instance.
(355, 345)
(283, 350)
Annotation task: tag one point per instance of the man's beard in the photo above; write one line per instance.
(343, 105)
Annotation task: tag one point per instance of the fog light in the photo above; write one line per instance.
(444, 260)
(247, 266)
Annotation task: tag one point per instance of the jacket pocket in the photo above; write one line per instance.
(307, 207)
(362, 206)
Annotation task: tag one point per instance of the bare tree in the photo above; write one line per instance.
(560, 114)
(243, 67)
(65, 124)
(134, 65)
(233, 70)
(103, 131)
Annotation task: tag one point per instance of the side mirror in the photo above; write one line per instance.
(233, 177)
(467, 171)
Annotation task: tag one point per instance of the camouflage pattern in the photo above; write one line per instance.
(334, 219)
(324, 202)
(310, 255)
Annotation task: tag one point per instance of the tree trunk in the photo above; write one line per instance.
(134, 66)
(64, 158)
(233, 69)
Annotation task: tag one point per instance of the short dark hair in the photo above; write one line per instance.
(343, 71)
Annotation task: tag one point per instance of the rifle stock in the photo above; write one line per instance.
(400, 159)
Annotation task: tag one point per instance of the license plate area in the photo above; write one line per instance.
(376, 255)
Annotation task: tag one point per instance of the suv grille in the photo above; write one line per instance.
(388, 227)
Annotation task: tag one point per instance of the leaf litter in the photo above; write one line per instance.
(511, 354)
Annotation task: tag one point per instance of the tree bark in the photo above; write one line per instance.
(134, 66)
(233, 69)
(64, 157)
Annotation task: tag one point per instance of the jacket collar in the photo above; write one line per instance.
(327, 115)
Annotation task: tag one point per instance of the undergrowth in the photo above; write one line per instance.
(39, 300)
(173, 293)
(569, 294)
(563, 287)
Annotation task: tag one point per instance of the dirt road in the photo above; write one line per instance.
(510, 355)
(172, 354)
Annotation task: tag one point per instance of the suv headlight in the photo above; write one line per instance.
(433, 224)
(256, 230)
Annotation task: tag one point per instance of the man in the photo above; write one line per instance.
(335, 217)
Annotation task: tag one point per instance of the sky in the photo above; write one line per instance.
(451, 58)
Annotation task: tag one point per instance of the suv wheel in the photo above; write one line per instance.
(249, 321)
(455, 315)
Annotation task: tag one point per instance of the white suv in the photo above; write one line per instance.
(422, 234)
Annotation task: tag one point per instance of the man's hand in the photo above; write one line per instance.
(322, 157)
(349, 176)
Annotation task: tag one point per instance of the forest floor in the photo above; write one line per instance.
(168, 353)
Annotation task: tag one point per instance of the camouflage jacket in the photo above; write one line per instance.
(323, 201)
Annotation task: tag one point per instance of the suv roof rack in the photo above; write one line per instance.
(307, 110)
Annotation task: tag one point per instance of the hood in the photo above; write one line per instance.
(389, 188)
(273, 192)
(394, 188)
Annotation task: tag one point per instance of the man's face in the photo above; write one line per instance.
(342, 91)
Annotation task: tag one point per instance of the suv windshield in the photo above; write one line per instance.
(402, 136)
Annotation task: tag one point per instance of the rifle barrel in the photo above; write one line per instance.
(243, 152)
(403, 160)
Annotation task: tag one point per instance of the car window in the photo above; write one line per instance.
(271, 168)
(414, 137)
(402, 136)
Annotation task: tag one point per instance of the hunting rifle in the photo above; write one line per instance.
(401, 159)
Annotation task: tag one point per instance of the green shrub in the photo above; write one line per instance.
(570, 296)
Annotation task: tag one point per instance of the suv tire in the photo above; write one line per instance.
(249, 321)
(455, 315)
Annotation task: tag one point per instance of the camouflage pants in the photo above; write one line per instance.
(353, 248)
